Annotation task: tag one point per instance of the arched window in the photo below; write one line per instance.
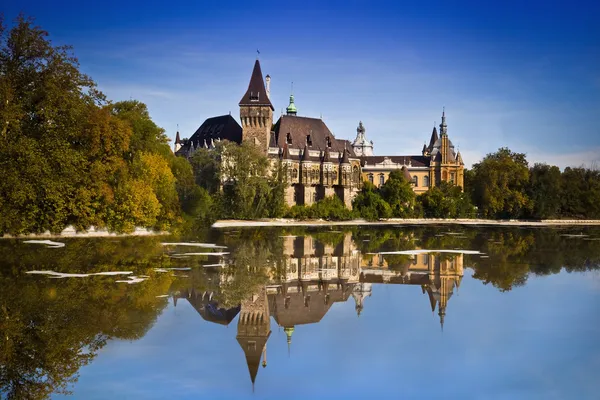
(416, 181)
(445, 176)
(371, 178)
(452, 177)
(426, 181)
(381, 179)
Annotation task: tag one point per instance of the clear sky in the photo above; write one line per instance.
(521, 74)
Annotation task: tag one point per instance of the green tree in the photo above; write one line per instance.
(499, 185)
(545, 191)
(369, 204)
(580, 193)
(446, 201)
(398, 193)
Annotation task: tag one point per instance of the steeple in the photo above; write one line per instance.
(288, 332)
(178, 142)
(256, 95)
(434, 138)
(345, 159)
(361, 146)
(443, 126)
(253, 330)
(291, 109)
(256, 112)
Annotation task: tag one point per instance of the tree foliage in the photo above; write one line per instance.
(499, 185)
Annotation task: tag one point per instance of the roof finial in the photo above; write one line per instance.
(257, 53)
(292, 88)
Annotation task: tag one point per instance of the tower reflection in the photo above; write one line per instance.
(310, 277)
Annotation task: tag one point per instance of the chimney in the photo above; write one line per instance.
(268, 80)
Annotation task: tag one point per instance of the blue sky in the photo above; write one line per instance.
(520, 74)
(534, 342)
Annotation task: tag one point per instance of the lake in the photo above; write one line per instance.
(297, 313)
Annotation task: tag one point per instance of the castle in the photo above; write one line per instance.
(318, 164)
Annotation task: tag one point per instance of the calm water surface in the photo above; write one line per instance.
(432, 312)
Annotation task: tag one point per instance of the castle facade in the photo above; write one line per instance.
(318, 164)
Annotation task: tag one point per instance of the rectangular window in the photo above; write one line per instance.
(308, 140)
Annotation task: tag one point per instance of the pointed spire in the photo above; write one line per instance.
(434, 138)
(177, 138)
(459, 158)
(345, 159)
(256, 93)
(443, 126)
(288, 332)
(305, 153)
(442, 314)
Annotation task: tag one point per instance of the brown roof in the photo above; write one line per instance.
(299, 128)
(415, 161)
(256, 93)
(297, 313)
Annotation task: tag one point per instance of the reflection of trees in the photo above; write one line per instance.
(509, 258)
(52, 327)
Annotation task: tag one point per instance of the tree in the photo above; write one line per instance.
(544, 190)
(398, 193)
(499, 185)
(369, 204)
(580, 193)
(446, 201)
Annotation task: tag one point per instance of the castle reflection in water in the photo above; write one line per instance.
(314, 277)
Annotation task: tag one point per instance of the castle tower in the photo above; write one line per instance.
(177, 145)
(291, 108)
(362, 147)
(445, 150)
(253, 330)
(256, 111)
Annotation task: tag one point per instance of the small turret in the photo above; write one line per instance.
(178, 142)
(291, 108)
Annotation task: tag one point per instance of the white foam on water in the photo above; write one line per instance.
(49, 243)
(132, 279)
(162, 296)
(426, 251)
(160, 270)
(574, 236)
(213, 265)
(192, 244)
(55, 274)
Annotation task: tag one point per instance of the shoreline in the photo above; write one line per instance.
(281, 222)
(92, 232)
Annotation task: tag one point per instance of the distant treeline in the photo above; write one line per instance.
(68, 156)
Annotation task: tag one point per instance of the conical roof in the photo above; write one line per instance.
(177, 138)
(305, 153)
(256, 93)
(345, 159)
(434, 138)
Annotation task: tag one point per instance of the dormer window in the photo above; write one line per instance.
(288, 138)
(328, 140)
(308, 140)
(254, 96)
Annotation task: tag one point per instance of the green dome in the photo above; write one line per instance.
(291, 109)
